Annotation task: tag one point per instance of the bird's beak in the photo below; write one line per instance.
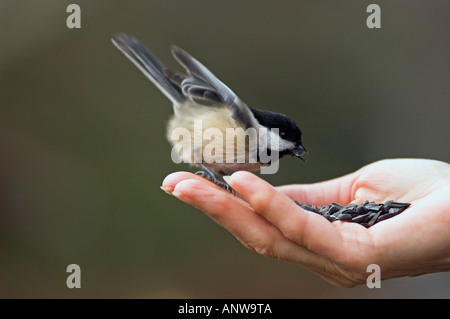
(299, 151)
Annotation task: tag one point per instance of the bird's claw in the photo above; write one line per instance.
(215, 180)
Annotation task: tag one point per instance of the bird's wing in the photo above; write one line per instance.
(149, 64)
(203, 84)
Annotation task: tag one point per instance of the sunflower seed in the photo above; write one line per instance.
(333, 209)
(346, 210)
(360, 218)
(372, 206)
(400, 205)
(361, 210)
(344, 217)
(336, 205)
(374, 219)
(386, 216)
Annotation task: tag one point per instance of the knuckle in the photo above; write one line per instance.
(294, 234)
(295, 230)
(264, 248)
(354, 276)
(344, 276)
(262, 200)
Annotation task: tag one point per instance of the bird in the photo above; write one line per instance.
(200, 98)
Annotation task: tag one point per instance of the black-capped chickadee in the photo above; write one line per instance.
(200, 98)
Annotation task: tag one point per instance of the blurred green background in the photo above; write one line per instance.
(83, 149)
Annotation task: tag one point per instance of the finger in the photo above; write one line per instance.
(307, 229)
(338, 190)
(235, 215)
(173, 179)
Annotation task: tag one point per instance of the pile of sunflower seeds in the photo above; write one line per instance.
(367, 214)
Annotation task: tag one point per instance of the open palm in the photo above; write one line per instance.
(266, 220)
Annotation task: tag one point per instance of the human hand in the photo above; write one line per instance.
(265, 219)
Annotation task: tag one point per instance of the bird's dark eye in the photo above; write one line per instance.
(282, 134)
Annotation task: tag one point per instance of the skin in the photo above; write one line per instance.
(266, 220)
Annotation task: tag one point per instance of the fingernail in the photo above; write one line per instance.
(239, 175)
(168, 190)
(176, 193)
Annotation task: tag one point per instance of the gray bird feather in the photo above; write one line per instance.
(149, 64)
